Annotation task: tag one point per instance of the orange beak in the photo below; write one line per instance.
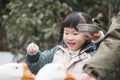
(69, 76)
(27, 75)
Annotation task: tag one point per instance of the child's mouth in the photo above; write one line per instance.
(71, 44)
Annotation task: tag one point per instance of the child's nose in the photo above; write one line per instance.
(70, 37)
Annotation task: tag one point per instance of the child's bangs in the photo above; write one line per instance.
(72, 21)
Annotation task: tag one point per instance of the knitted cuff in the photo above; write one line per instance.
(33, 58)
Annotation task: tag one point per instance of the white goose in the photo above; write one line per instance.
(19, 71)
(15, 71)
(53, 71)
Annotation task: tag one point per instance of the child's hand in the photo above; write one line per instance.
(32, 49)
(86, 76)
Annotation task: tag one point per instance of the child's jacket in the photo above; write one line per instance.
(72, 60)
(58, 53)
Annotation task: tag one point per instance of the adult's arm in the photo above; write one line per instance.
(106, 60)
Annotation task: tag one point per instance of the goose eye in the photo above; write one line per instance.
(16, 67)
(59, 68)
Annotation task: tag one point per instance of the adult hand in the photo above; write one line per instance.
(86, 76)
(32, 49)
(95, 36)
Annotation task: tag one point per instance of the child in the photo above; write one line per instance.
(75, 48)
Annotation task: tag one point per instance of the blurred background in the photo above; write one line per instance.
(25, 21)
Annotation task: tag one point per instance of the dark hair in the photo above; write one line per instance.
(72, 20)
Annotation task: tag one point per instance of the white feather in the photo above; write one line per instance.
(52, 71)
(11, 71)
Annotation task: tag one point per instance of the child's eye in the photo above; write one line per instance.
(66, 33)
(75, 33)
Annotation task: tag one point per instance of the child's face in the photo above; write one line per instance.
(73, 38)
